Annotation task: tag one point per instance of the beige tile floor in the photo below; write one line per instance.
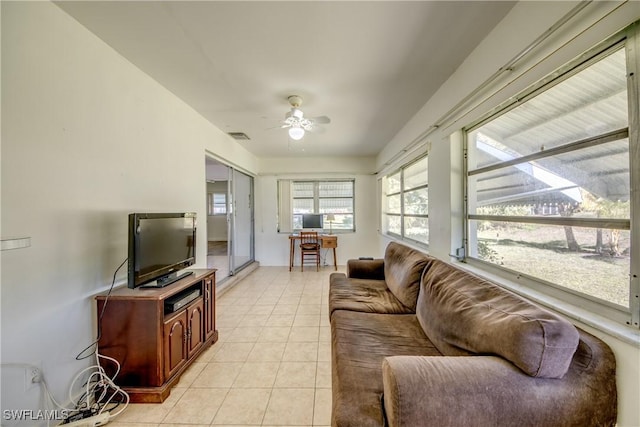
(270, 367)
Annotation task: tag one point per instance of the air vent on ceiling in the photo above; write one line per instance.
(240, 136)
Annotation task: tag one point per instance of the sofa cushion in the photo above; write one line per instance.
(364, 295)
(403, 268)
(463, 314)
(360, 342)
(490, 391)
(366, 268)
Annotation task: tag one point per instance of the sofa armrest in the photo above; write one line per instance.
(365, 269)
(479, 391)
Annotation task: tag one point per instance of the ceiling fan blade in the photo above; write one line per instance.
(317, 129)
(321, 120)
(281, 126)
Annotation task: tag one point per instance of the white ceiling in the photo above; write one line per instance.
(369, 66)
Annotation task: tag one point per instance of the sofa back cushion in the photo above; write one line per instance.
(463, 314)
(403, 268)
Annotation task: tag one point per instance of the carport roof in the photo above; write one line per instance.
(589, 104)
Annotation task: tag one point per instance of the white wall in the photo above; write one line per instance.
(86, 139)
(525, 22)
(272, 248)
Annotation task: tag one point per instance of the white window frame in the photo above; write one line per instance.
(402, 215)
(630, 37)
(216, 209)
(286, 212)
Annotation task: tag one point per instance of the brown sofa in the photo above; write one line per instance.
(418, 342)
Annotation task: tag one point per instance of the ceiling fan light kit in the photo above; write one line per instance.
(296, 133)
(295, 121)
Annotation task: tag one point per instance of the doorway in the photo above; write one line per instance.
(230, 219)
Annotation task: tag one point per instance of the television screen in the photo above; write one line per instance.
(160, 245)
(312, 221)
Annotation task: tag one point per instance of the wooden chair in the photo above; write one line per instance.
(309, 248)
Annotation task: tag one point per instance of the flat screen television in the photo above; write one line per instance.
(160, 245)
(312, 221)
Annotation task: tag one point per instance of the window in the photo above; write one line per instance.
(217, 203)
(405, 200)
(549, 184)
(297, 197)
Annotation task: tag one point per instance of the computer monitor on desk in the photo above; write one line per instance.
(312, 222)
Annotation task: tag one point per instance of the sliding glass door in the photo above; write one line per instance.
(242, 221)
(230, 219)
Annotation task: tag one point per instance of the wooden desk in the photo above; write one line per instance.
(326, 242)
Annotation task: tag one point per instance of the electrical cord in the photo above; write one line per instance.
(99, 385)
(84, 354)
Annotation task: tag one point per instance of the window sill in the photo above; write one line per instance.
(420, 246)
(624, 333)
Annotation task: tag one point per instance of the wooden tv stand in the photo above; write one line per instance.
(155, 347)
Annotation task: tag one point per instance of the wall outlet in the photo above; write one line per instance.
(32, 377)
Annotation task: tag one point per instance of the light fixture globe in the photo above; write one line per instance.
(296, 133)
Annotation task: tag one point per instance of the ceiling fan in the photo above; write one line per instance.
(297, 123)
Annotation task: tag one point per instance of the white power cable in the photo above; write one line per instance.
(110, 382)
(97, 387)
(98, 382)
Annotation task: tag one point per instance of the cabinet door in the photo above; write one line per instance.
(209, 306)
(195, 333)
(175, 343)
